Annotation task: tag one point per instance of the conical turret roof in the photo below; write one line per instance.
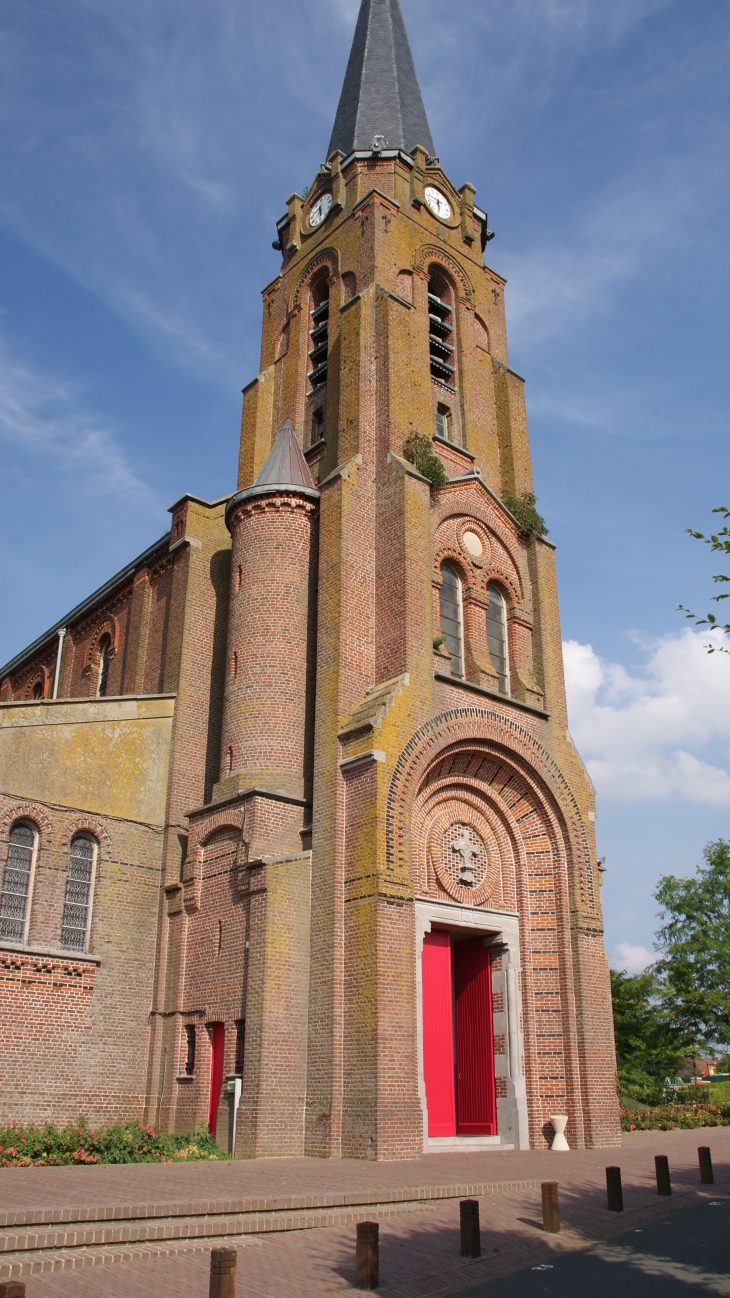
(381, 95)
(285, 465)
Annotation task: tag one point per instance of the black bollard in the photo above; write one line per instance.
(469, 1220)
(614, 1192)
(663, 1183)
(550, 1207)
(705, 1157)
(222, 1273)
(367, 1255)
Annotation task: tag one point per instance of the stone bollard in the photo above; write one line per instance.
(550, 1207)
(663, 1183)
(471, 1245)
(614, 1191)
(367, 1255)
(12, 1289)
(222, 1273)
(706, 1173)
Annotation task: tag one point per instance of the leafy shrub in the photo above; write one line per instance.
(418, 450)
(128, 1142)
(522, 507)
(671, 1117)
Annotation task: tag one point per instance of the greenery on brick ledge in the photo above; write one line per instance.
(128, 1142)
(418, 450)
(531, 523)
(674, 1117)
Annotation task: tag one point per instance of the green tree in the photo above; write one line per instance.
(717, 541)
(694, 969)
(649, 1047)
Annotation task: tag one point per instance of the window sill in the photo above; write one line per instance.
(51, 953)
(506, 699)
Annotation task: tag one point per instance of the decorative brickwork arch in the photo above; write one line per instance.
(87, 825)
(27, 811)
(472, 499)
(40, 676)
(489, 731)
(328, 257)
(429, 253)
(448, 550)
(108, 626)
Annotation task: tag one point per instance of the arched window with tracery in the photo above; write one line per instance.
(497, 635)
(452, 620)
(105, 645)
(17, 889)
(79, 888)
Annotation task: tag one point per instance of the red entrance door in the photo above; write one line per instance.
(476, 1091)
(218, 1046)
(438, 1034)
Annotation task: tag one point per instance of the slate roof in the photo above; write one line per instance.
(285, 465)
(380, 94)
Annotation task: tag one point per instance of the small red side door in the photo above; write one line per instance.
(477, 1101)
(218, 1047)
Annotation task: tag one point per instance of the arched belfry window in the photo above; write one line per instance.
(105, 645)
(319, 331)
(18, 883)
(79, 884)
(441, 327)
(497, 635)
(452, 622)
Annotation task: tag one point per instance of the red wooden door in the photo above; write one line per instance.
(476, 1092)
(438, 1034)
(218, 1046)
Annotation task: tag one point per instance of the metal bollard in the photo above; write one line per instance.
(550, 1207)
(706, 1173)
(614, 1191)
(12, 1288)
(222, 1273)
(663, 1183)
(367, 1255)
(469, 1221)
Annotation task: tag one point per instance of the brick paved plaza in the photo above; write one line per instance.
(419, 1238)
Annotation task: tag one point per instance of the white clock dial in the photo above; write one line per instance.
(320, 210)
(439, 205)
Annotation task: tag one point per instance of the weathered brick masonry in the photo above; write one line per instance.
(306, 806)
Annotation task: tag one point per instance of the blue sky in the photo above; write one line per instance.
(146, 150)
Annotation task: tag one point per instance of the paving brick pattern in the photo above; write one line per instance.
(419, 1241)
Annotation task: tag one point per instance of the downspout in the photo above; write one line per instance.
(59, 652)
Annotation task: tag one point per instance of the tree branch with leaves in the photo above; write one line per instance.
(718, 542)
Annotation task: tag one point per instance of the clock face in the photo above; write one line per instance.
(320, 210)
(439, 205)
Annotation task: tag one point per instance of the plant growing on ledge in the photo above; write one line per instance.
(531, 523)
(438, 640)
(419, 452)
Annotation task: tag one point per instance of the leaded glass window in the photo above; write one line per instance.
(77, 906)
(17, 880)
(497, 636)
(451, 617)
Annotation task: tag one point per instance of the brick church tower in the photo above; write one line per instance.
(380, 920)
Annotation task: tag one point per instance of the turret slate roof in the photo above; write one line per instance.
(380, 95)
(285, 464)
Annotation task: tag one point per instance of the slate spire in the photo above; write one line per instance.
(380, 94)
(285, 465)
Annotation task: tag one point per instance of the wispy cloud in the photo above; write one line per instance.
(44, 418)
(633, 959)
(654, 736)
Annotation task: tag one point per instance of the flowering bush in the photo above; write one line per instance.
(670, 1117)
(129, 1142)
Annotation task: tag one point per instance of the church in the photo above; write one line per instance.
(294, 842)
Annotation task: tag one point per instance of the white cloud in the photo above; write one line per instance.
(634, 959)
(654, 735)
(45, 418)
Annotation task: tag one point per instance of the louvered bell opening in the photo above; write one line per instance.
(440, 348)
(319, 336)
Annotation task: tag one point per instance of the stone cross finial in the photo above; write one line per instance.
(466, 849)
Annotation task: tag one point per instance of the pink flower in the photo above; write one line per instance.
(632, 1126)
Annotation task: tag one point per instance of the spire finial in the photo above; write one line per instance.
(381, 99)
